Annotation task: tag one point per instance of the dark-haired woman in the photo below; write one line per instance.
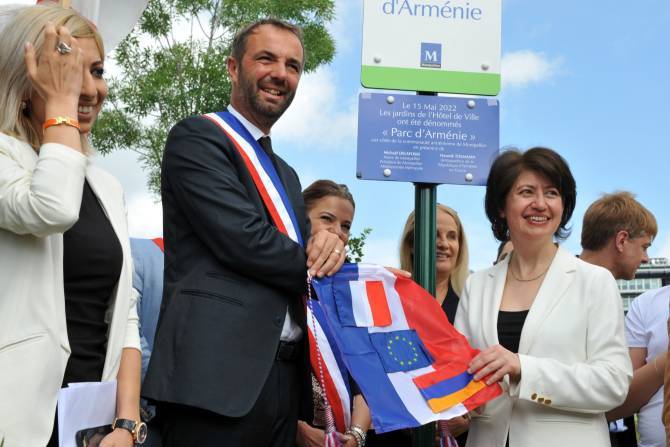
(549, 325)
(330, 206)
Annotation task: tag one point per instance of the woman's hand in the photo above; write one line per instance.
(56, 77)
(458, 425)
(118, 438)
(309, 436)
(399, 272)
(495, 362)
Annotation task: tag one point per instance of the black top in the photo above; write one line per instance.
(92, 260)
(450, 304)
(510, 325)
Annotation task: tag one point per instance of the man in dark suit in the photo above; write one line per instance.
(229, 366)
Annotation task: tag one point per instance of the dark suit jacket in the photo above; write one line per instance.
(229, 276)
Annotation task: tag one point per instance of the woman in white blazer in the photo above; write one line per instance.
(549, 325)
(45, 259)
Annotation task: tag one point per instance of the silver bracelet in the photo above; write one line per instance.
(355, 436)
(359, 434)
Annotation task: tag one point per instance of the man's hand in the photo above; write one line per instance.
(325, 254)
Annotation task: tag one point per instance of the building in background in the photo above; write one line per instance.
(652, 275)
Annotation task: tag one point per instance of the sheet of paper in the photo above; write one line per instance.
(84, 405)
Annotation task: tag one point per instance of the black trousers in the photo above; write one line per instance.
(272, 422)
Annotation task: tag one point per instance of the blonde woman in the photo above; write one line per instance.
(451, 271)
(67, 313)
(451, 260)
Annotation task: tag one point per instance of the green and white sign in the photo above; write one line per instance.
(450, 46)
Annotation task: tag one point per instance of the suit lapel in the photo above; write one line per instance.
(559, 278)
(496, 282)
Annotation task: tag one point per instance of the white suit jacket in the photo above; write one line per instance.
(574, 361)
(40, 197)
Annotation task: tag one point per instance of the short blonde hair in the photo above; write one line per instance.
(27, 25)
(460, 272)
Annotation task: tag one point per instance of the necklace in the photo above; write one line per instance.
(529, 279)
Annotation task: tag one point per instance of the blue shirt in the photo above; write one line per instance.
(148, 281)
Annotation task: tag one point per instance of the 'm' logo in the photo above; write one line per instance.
(431, 55)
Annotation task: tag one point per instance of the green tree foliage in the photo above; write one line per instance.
(173, 65)
(356, 244)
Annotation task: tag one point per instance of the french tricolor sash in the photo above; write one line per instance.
(262, 172)
(334, 373)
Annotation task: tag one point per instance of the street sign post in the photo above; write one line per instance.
(426, 139)
(432, 45)
(425, 222)
(429, 46)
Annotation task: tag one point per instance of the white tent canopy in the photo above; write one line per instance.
(115, 19)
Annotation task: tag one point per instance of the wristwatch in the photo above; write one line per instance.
(136, 428)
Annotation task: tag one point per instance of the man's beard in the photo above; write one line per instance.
(269, 113)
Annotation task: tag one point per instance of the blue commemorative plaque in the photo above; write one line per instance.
(426, 139)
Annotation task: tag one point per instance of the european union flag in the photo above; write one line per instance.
(400, 350)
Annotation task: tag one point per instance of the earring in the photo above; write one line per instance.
(25, 107)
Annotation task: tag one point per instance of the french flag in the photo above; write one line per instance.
(411, 368)
(370, 309)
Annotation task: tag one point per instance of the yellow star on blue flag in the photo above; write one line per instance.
(400, 350)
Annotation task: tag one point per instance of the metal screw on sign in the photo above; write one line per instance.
(471, 104)
(485, 66)
(377, 59)
(469, 177)
(387, 172)
(390, 99)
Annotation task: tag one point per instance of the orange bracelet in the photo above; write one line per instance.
(60, 120)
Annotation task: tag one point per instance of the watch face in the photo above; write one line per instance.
(141, 433)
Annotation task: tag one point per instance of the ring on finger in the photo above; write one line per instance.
(63, 48)
(337, 252)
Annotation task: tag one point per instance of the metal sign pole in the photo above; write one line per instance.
(425, 230)
(425, 201)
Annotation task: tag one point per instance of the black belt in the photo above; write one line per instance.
(288, 351)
